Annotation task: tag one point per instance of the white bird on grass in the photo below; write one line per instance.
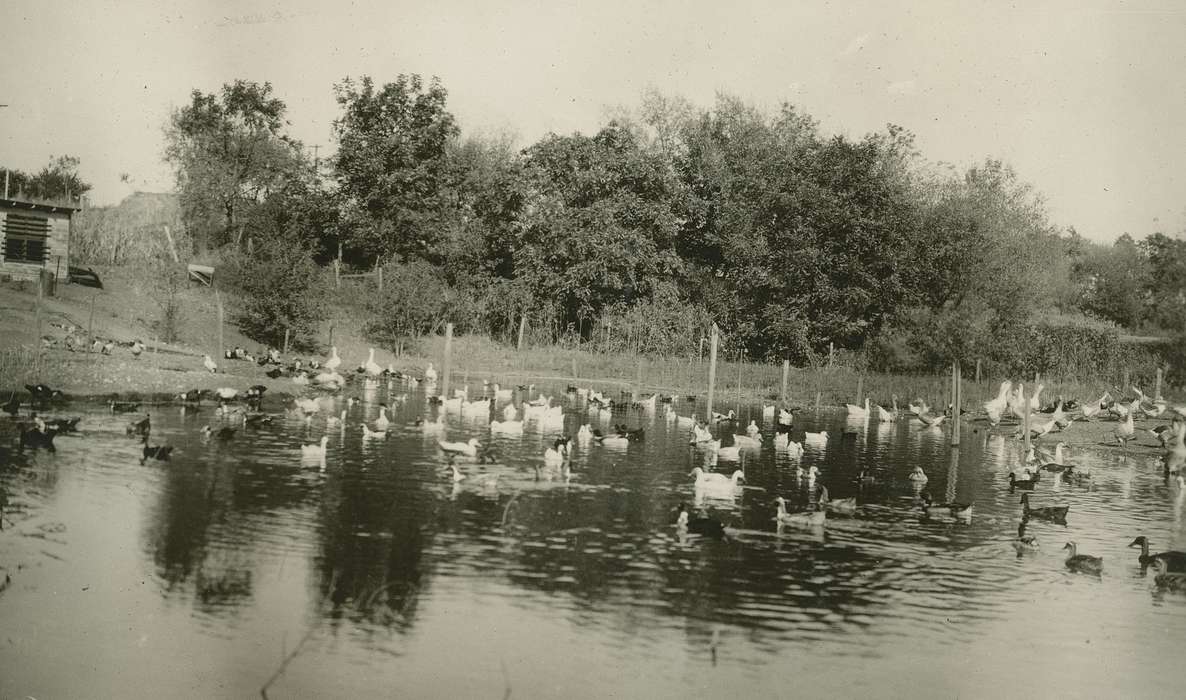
(210, 365)
(334, 361)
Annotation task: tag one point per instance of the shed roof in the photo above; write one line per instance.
(38, 206)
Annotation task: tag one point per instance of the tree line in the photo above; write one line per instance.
(668, 218)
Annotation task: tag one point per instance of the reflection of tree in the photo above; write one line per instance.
(374, 537)
(197, 527)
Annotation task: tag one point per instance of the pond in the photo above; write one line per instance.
(237, 565)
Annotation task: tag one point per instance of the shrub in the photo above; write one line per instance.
(282, 290)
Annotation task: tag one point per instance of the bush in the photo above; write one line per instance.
(282, 290)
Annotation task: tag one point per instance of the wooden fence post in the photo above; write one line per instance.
(522, 328)
(448, 364)
(286, 331)
(977, 371)
(786, 370)
(37, 339)
(218, 298)
(1157, 386)
(860, 390)
(712, 370)
(955, 404)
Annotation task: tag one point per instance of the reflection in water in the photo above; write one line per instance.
(393, 564)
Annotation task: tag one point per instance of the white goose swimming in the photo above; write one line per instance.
(810, 518)
(717, 484)
(858, 412)
(469, 448)
(315, 451)
(368, 434)
(430, 374)
(884, 416)
(382, 422)
(507, 427)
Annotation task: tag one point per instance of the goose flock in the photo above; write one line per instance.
(718, 440)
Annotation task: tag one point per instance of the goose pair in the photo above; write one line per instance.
(713, 483)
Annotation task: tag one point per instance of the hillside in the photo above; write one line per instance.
(125, 310)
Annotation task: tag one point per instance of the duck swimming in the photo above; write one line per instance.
(1083, 563)
(705, 527)
(1024, 544)
(1056, 514)
(808, 518)
(1175, 561)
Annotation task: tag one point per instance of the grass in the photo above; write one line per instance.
(475, 357)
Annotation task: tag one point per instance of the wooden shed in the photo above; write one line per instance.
(36, 236)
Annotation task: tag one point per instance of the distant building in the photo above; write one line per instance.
(35, 236)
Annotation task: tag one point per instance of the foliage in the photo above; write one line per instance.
(597, 227)
(131, 232)
(282, 289)
(229, 151)
(391, 163)
(1115, 282)
(414, 301)
(58, 181)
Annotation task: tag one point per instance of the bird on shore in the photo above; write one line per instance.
(334, 361)
(995, 408)
(1125, 431)
(209, 364)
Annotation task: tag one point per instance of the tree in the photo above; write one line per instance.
(391, 163)
(1117, 282)
(282, 289)
(597, 226)
(229, 151)
(57, 181)
(1167, 281)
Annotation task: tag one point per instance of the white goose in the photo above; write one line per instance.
(712, 482)
(858, 412)
(507, 427)
(748, 442)
(816, 439)
(334, 361)
(210, 365)
(368, 434)
(1093, 407)
(469, 448)
(810, 518)
(510, 412)
(1125, 431)
(884, 416)
(315, 451)
(752, 429)
(430, 374)
(995, 408)
(372, 368)
(431, 426)
(381, 423)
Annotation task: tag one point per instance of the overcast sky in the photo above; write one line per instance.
(1085, 99)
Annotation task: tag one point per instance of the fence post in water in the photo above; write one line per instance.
(1157, 386)
(786, 371)
(522, 327)
(448, 363)
(955, 404)
(860, 389)
(637, 381)
(1025, 423)
(712, 370)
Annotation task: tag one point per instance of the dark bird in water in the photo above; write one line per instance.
(37, 438)
(1175, 561)
(192, 396)
(255, 419)
(140, 428)
(223, 434)
(706, 527)
(64, 425)
(1083, 563)
(1056, 514)
(1025, 484)
(158, 452)
(124, 406)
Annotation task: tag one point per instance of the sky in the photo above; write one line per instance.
(1086, 100)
